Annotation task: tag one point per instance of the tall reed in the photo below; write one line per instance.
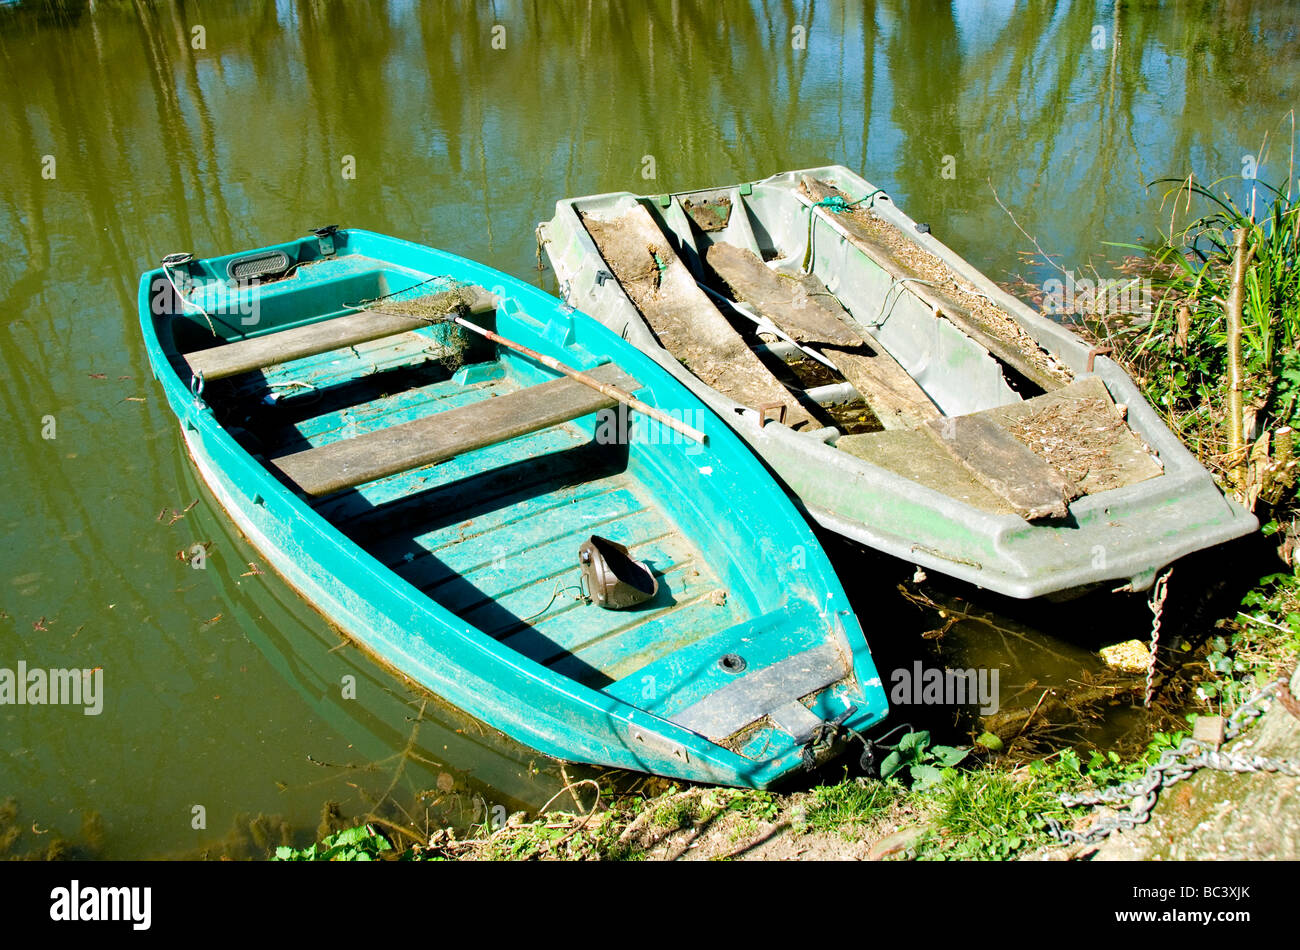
(1181, 354)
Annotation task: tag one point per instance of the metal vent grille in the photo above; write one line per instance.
(258, 266)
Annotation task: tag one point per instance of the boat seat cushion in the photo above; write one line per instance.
(447, 434)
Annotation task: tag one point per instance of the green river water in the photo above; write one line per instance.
(132, 129)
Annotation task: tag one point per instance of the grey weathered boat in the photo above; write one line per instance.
(905, 399)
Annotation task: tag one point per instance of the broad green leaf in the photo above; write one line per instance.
(949, 756)
(924, 776)
(892, 763)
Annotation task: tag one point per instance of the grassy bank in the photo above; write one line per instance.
(1216, 354)
(979, 810)
(1219, 359)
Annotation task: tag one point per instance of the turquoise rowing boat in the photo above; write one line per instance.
(904, 399)
(576, 573)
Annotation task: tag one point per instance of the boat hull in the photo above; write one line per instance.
(1126, 535)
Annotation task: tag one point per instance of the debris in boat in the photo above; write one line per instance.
(718, 598)
(973, 311)
(1079, 432)
(709, 215)
(1054, 434)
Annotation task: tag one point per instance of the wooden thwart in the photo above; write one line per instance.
(914, 455)
(806, 310)
(259, 352)
(445, 435)
(801, 306)
(1006, 466)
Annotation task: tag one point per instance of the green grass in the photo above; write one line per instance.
(845, 808)
(675, 813)
(991, 814)
(1184, 373)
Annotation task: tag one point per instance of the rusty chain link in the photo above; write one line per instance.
(1173, 766)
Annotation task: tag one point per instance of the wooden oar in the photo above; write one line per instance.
(613, 392)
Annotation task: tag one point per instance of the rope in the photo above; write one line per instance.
(837, 204)
(881, 316)
(172, 260)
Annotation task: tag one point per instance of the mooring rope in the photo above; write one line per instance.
(175, 260)
(838, 205)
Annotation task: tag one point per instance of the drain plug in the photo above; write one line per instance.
(733, 663)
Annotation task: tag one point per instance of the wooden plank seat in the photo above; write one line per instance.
(259, 352)
(447, 434)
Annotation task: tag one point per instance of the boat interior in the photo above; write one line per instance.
(843, 314)
(475, 474)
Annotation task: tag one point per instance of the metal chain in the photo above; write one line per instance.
(1173, 766)
(1157, 607)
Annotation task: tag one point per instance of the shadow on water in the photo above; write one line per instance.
(1052, 689)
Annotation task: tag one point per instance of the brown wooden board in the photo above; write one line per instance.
(687, 324)
(913, 454)
(444, 435)
(1024, 355)
(809, 313)
(1005, 466)
(258, 352)
(1080, 432)
(801, 306)
(708, 215)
